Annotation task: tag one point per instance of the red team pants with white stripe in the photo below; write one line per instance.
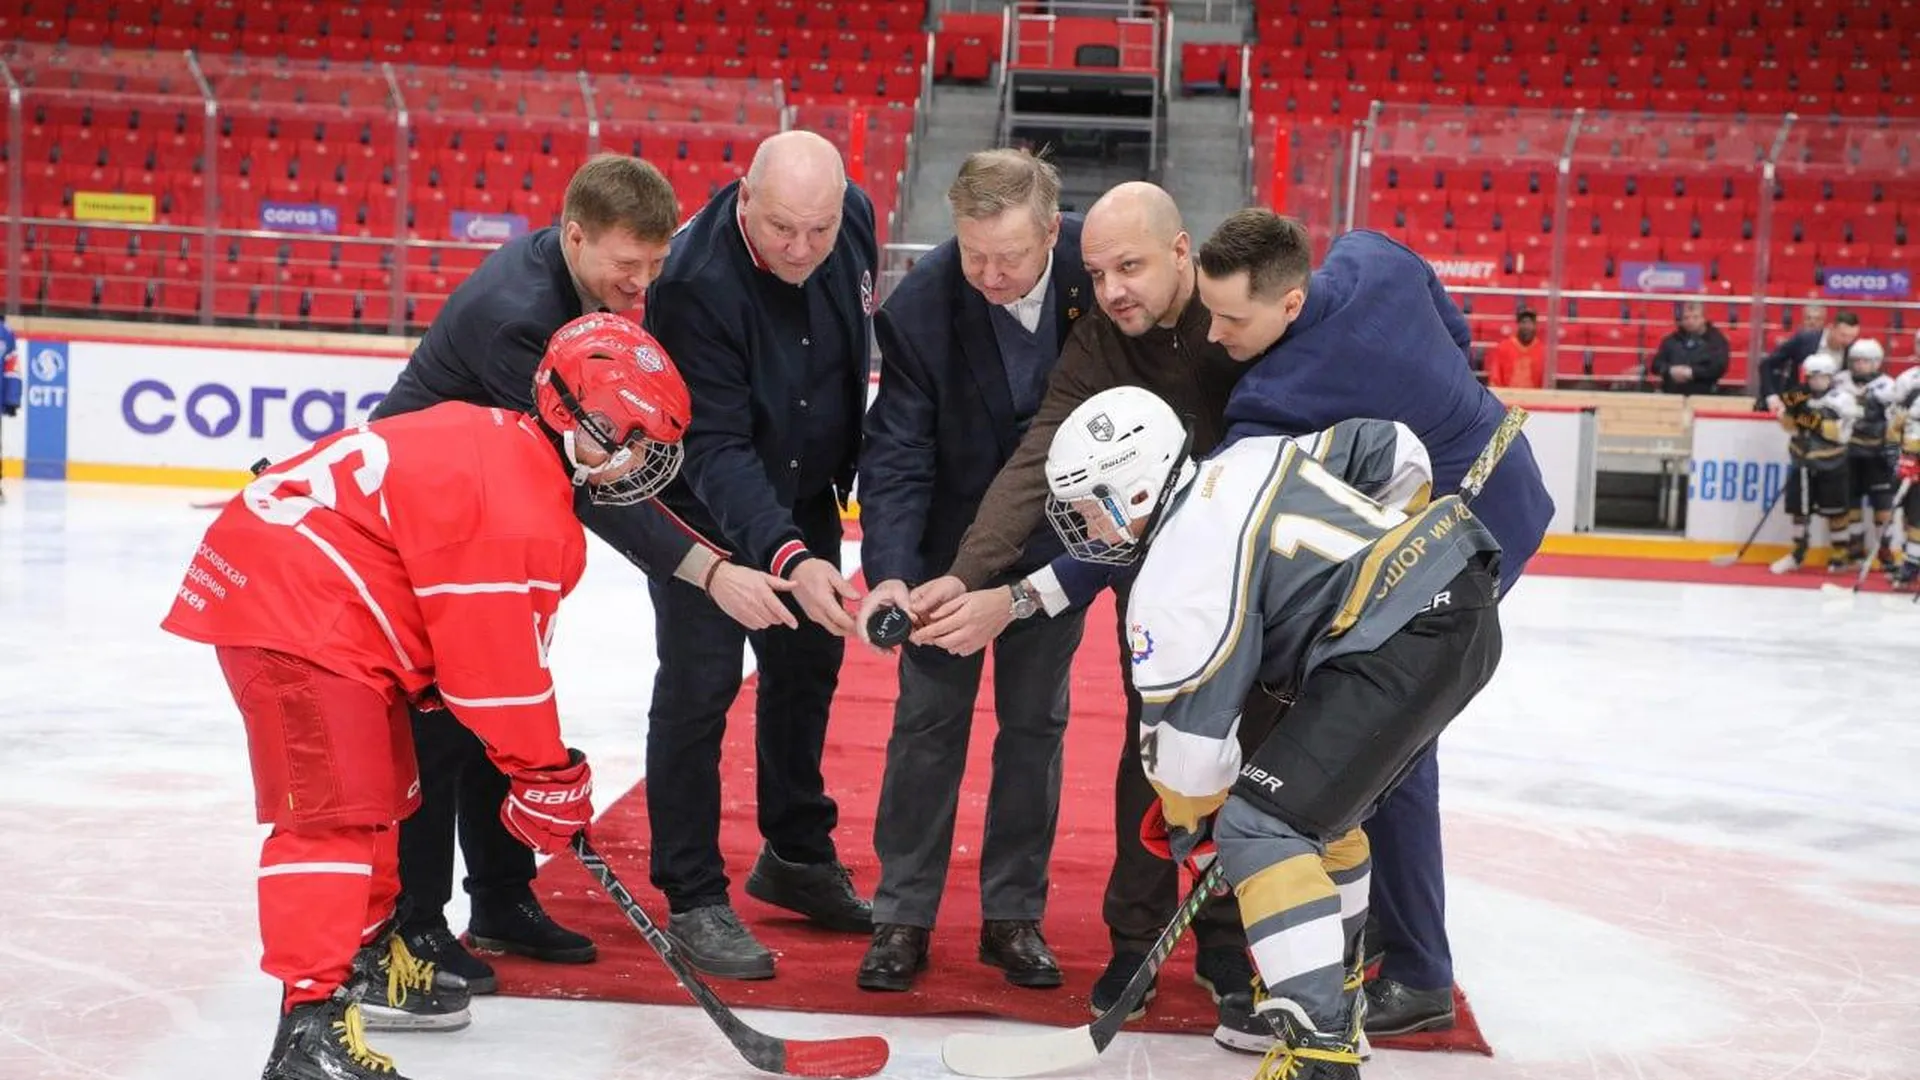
(333, 773)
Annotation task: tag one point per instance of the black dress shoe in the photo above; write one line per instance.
(715, 942)
(1394, 1009)
(1016, 947)
(898, 953)
(823, 892)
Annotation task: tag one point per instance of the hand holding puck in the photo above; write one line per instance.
(888, 626)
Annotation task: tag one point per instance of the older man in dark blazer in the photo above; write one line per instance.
(765, 305)
(967, 342)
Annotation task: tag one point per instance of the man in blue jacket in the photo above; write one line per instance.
(967, 342)
(1372, 334)
(765, 305)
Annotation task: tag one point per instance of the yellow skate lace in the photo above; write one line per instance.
(405, 972)
(353, 1033)
(1284, 1062)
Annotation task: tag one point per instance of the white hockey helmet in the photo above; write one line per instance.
(1818, 364)
(1868, 350)
(1113, 462)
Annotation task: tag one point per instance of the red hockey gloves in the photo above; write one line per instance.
(545, 807)
(1192, 849)
(1910, 468)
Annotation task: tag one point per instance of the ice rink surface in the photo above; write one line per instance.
(1683, 837)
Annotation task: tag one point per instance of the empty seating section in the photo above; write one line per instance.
(1683, 103)
(1067, 41)
(966, 45)
(1812, 57)
(306, 139)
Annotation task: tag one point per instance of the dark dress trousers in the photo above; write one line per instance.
(960, 380)
(778, 375)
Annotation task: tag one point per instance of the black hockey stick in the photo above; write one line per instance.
(1029, 1055)
(1765, 513)
(861, 1055)
(1003, 1056)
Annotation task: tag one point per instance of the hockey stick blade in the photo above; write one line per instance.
(998, 1056)
(834, 1059)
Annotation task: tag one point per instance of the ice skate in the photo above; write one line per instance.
(326, 1040)
(1302, 1052)
(401, 992)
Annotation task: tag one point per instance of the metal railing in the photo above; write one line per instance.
(1714, 160)
(375, 160)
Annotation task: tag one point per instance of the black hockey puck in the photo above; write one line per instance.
(888, 627)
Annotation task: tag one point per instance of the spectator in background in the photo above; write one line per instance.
(12, 379)
(1780, 369)
(1692, 358)
(1813, 317)
(1521, 359)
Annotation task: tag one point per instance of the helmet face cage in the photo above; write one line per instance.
(1097, 527)
(659, 462)
(1094, 528)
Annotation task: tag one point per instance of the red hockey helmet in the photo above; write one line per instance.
(606, 380)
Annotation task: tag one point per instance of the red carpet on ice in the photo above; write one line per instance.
(815, 968)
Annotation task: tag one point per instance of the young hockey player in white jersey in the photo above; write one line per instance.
(1872, 449)
(1820, 416)
(1906, 400)
(1315, 570)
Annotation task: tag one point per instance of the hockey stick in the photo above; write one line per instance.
(1866, 561)
(1765, 513)
(1030, 1055)
(861, 1055)
(1005, 1056)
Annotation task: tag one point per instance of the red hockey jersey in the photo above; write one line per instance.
(431, 547)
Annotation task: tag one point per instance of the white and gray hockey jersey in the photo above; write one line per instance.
(1273, 559)
(1872, 429)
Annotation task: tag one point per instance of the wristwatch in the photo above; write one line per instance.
(1025, 600)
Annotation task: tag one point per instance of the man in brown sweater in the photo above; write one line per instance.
(1151, 331)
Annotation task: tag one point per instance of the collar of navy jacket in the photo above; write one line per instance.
(710, 258)
(973, 323)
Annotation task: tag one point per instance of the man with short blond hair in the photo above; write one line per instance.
(483, 348)
(967, 342)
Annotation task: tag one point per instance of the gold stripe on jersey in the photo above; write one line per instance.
(1392, 556)
(1252, 547)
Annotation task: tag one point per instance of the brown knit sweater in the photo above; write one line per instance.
(1179, 364)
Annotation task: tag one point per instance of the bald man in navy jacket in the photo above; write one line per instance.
(765, 305)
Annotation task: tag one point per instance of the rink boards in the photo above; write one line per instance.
(198, 416)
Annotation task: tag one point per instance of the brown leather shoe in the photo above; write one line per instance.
(898, 953)
(1016, 947)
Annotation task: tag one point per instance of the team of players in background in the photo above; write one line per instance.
(1855, 438)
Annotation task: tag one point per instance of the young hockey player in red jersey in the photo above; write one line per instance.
(418, 558)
